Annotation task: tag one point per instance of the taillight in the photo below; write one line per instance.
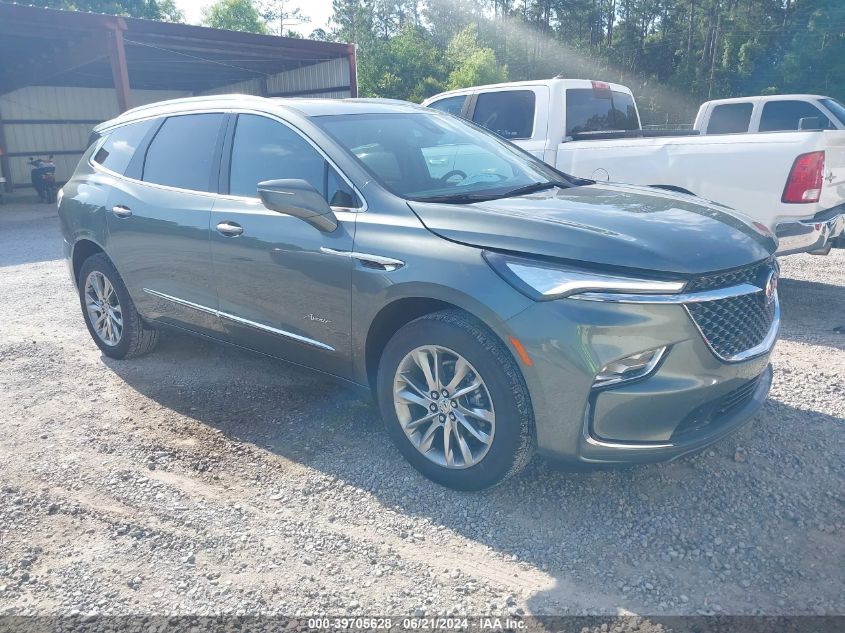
(600, 85)
(805, 179)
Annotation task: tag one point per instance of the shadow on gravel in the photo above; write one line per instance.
(704, 529)
(811, 310)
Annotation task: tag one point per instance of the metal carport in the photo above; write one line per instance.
(62, 72)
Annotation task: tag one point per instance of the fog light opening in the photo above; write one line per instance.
(629, 368)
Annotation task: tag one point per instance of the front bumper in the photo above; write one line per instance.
(816, 234)
(690, 400)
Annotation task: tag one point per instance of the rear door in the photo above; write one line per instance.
(158, 221)
(519, 115)
(284, 287)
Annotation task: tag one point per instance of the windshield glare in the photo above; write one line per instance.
(424, 156)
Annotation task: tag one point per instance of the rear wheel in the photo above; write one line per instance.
(109, 312)
(454, 401)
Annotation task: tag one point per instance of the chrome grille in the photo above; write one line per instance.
(746, 275)
(735, 325)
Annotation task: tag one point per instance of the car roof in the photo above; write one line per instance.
(303, 107)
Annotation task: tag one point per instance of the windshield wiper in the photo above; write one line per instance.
(468, 198)
(534, 187)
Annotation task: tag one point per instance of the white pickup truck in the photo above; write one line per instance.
(779, 160)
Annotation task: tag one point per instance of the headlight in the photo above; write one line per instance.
(543, 281)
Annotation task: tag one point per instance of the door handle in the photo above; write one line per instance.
(230, 229)
(121, 211)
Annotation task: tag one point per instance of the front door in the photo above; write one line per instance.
(284, 287)
(158, 223)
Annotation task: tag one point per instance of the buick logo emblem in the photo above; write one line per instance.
(771, 287)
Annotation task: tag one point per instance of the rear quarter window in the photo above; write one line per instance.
(117, 150)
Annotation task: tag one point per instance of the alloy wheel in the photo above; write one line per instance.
(444, 406)
(103, 308)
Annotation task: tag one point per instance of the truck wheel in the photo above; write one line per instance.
(109, 312)
(454, 401)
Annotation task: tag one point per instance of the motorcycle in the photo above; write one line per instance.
(43, 176)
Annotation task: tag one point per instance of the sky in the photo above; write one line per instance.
(318, 10)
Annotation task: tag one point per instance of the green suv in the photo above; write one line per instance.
(494, 305)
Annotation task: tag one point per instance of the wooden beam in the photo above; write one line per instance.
(62, 60)
(353, 72)
(119, 71)
(5, 167)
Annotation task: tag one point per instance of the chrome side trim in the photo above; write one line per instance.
(758, 350)
(273, 330)
(691, 297)
(183, 302)
(237, 319)
(388, 264)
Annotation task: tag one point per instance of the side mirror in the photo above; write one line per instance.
(299, 199)
(810, 123)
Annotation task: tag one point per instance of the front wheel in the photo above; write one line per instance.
(454, 401)
(109, 312)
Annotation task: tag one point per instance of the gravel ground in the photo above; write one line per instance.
(202, 480)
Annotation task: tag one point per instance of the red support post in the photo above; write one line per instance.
(119, 70)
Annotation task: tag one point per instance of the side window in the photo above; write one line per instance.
(730, 118)
(452, 105)
(509, 113)
(263, 149)
(182, 152)
(785, 115)
(120, 145)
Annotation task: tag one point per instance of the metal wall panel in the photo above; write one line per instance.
(47, 102)
(332, 73)
(250, 87)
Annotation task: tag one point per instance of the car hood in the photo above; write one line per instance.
(609, 224)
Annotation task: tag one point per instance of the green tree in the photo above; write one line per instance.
(470, 63)
(234, 15)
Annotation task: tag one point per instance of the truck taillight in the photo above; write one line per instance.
(805, 179)
(600, 85)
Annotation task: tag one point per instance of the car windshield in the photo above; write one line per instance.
(836, 108)
(429, 156)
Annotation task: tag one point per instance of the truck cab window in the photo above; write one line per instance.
(730, 118)
(452, 105)
(509, 113)
(786, 115)
(598, 110)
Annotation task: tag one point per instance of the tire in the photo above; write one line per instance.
(136, 338)
(453, 333)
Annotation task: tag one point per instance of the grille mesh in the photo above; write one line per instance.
(735, 324)
(747, 275)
